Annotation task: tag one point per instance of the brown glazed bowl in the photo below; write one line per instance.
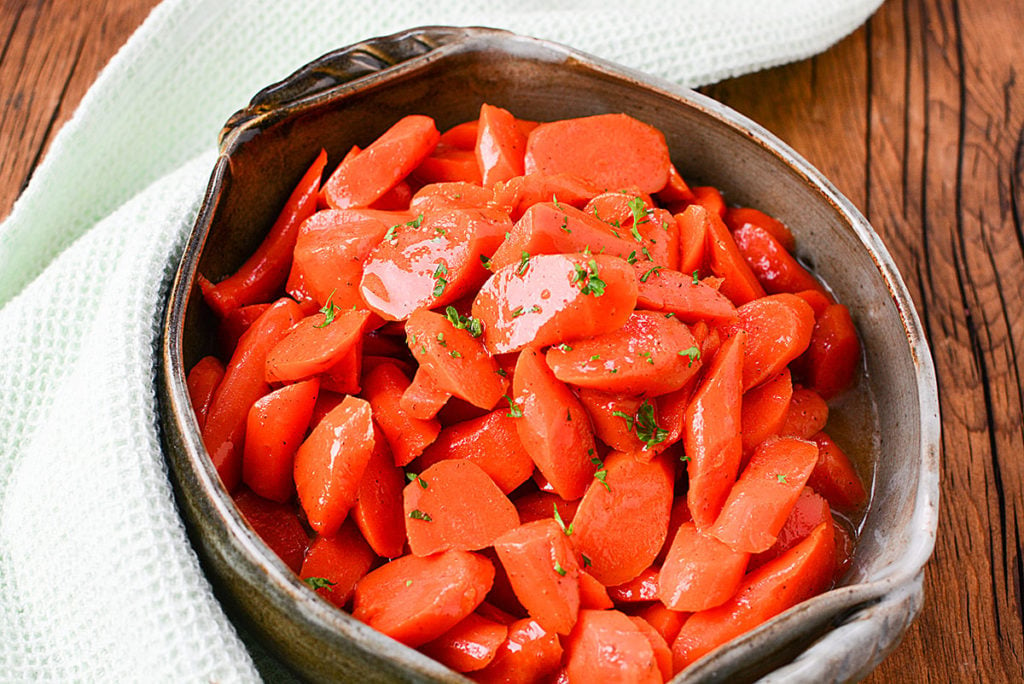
(890, 423)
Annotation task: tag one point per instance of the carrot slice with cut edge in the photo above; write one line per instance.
(765, 409)
(500, 145)
(834, 476)
(378, 508)
(528, 655)
(408, 436)
(778, 330)
(202, 382)
(700, 572)
(599, 633)
(337, 562)
(277, 524)
(316, 343)
(468, 646)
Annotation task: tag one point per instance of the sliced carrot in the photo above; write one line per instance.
(765, 408)
(542, 505)
(711, 437)
(361, 180)
(667, 621)
(448, 165)
(798, 574)
(277, 524)
(809, 511)
(553, 426)
(383, 386)
(622, 521)
(416, 599)
(621, 209)
(725, 260)
(315, 344)
(345, 375)
(662, 652)
(494, 613)
(834, 476)
(680, 515)
(700, 571)
(680, 295)
(599, 633)
(778, 331)
(585, 296)
(201, 383)
(649, 355)
(456, 360)
(833, 355)
(492, 442)
(330, 464)
(693, 239)
(455, 505)
(613, 415)
(232, 326)
(676, 190)
(342, 559)
(500, 145)
(709, 198)
(739, 217)
(640, 589)
(671, 410)
(423, 399)
(274, 430)
(530, 654)
(541, 564)
(395, 199)
(807, 414)
(775, 268)
(462, 135)
(450, 195)
(378, 508)
(764, 494)
(817, 300)
(243, 383)
(613, 150)
(468, 646)
(520, 193)
(593, 594)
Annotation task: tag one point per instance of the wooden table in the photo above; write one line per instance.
(919, 119)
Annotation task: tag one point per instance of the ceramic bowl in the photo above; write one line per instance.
(352, 95)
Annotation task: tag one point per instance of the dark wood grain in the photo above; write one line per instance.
(919, 118)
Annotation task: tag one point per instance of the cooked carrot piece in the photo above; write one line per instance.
(432, 263)
(586, 296)
(662, 652)
(383, 386)
(778, 331)
(378, 508)
(232, 326)
(667, 621)
(649, 355)
(541, 505)
(621, 209)
(834, 476)
(624, 494)
(277, 524)
(500, 145)
(680, 515)
(468, 646)
(243, 383)
(676, 190)
(494, 613)
(345, 375)
(739, 217)
(725, 260)
(652, 231)
(274, 430)
(342, 560)
(454, 358)
(202, 382)
(613, 416)
(455, 505)
(711, 437)
(807, 414)
(764, 494)
(423, 398)
(700, 571)
(448, 165)
(775, 268)
(798, 574)
(364, 178)
(640, 589)
(329, 465)
(809, 511)
(492, 442)
(416, 599)
(599, 633)
(530, 654)
(817, 300)
(541, 564)
(671, 410)
(765, 408)
(680, 295)
(593, 594)
(612, 150)
(693, 240)
(709, 198)
(522, 192)
(833, 355)
(553, 426)
(265, 271)
(462, 136)
(316, 344)
(439, 197)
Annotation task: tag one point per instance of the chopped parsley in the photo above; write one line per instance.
(644, 424)
(696, 279)
(653, 270)
(781, 478)
(631, 259)
(518, 311)
(591, 281)
(440, 339)
(564, 347)
(514, 410)
(640, 214)
(413, 477)
(471, 325)
(692, 352)
(417, 514)
(455, 354)
(524, 263)
(561, 523)
(586, 561)
(329, 311)
(319, 583)
(559, 569)
(439, 278)
(486, 262)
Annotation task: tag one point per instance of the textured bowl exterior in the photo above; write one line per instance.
(352, 95)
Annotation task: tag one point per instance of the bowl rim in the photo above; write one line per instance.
(900, 579)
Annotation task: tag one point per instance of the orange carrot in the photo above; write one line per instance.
(448, 165)
(739, 217)
(833, 355)
(725, 260)
(809, 511)
(775, 268)
(378, 509)
(342, 560)
(662, 652)
(700, 572)
(681, 296)
(202, 382)
(315, 344)
(462, 136)
(468, 646)
(807, 414)
(232, 326)
(540, 505)
(709, 198)
(277, 524)
(667, 621)
(383, 386)
(778, 330)
(274, 430)
(765, 408)
(530, 654)
(676, 190)
(606, 410)
(450, 195)
(593, 594)
(600, 632)
(640, 589)
(500, 145)
(834, 476)
(423, 399)
(522, 192)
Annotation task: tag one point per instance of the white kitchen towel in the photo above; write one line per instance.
(97, 578)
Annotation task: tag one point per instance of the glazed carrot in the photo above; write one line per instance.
(700, 572)
(680, 514)
(455, 505)
(614, 151)
(315, 344)
(277, 524)
(553, 426)
(606, 410)
(676, 190)
(724, 258)
(693, 239)
(242, 385)
(662, 652)
(231, 328)
(671, 410)
(833, 355)
(416, 599)
(649, 355)
(378, 508)
(809, 511)
(774, 267)
(807, 414)
(739, 217)
(530, 654)
(542, 505)
(621, 209)
(364, 178)
(263, 273)
(492, 442)
(468, 646)
(640, 589)
(631, 215)
(454, 358)
(274, 430)
(395, 199)
(593, 594)
(344, 376)
(462, 136)
(448, 165)
(432, 263)
(522, 192)
(764, 494)
(423, 398)
(600, 632)
(202, 382)
(687, 299)
(667, 621)
(407, 436)
(765, 408)
(342, 560)
(709, 198)
(711, 437)
(778, 331)
(587, 296)
(494, 613)
(330, 464)
(622, 520)
(541, 564)
(450, 195)
(818, 301)
(500, 145)
(801, 572)
(834, 476)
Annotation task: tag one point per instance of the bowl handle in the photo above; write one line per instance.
(344, 65)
